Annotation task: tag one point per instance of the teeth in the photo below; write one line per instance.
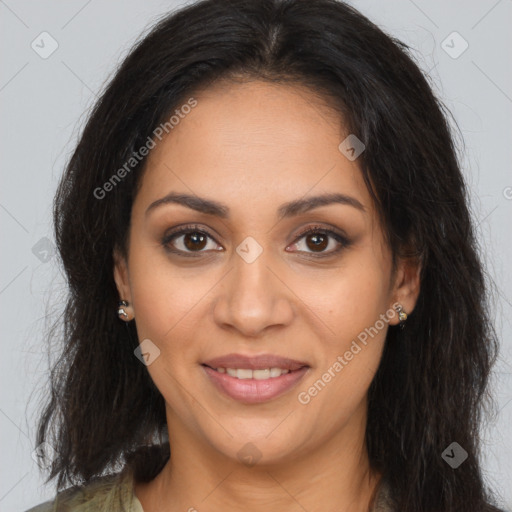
(275, 372)
(262, 374)
(243, 373)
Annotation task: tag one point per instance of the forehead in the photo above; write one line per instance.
(253, 145)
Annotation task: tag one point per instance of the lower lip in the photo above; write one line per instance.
(254, 391)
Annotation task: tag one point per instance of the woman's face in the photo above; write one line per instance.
(246, 281)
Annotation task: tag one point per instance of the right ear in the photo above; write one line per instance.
(121, 276)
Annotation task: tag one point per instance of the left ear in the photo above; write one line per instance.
(406, 286)
(121, 277)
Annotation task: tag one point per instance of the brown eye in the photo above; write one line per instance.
(194, 241)
(317, 242)
(189, 240)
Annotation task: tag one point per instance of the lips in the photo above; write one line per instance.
(254, 379)
(259, 362)
(253, 391)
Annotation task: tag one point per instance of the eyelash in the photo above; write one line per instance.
(185, 230)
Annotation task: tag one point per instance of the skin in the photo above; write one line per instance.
(254, 146)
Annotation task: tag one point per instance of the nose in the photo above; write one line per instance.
(253, 298)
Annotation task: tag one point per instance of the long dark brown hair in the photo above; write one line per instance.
(430, 389)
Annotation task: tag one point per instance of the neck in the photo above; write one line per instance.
(335, 476)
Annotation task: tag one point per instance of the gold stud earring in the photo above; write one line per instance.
(402, 315)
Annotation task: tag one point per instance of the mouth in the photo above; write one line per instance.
(253, 380)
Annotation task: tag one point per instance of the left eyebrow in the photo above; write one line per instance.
(304, 205)
(289, 209)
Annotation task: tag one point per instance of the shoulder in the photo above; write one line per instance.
(110, 493)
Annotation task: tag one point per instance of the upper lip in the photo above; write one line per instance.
(259, 362)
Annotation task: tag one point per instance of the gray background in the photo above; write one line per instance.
(43, 104)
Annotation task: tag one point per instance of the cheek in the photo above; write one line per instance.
(165, 298)
(355, 307)
(350, 354)
(333, 395)
(354, 299)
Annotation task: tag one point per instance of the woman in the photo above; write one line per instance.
(276, 302)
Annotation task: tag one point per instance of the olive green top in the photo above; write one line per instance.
(110, 493)
(115, 493)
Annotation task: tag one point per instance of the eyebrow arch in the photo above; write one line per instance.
(289, 209)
